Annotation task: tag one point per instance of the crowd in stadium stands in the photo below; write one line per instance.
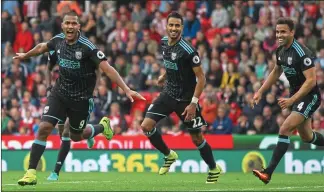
(235, 40)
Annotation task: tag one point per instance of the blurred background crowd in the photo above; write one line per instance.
(235, 40)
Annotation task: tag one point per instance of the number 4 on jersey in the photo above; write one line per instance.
(300, 106)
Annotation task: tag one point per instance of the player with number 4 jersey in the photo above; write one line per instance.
(183, 82)
(297, 63)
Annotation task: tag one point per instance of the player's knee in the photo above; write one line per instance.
(197, 138)
(306, 138)
(147, 127)
(45, 129)
(286, 129)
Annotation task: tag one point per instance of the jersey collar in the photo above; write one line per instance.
(286, 49)
(175, 43)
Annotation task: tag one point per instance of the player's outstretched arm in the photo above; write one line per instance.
(115, 77)
(272, 78)
(37, 50)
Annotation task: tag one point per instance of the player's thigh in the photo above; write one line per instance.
(54, 111)
(196, 123)
(305, 130)
(61, 126)
(307, 105)
(78, 114)
(291, 123)
(159, 109)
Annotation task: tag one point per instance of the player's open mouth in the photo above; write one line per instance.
(69, 33)
(174, 33)
(280, 40)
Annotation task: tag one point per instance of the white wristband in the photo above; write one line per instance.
(194, 100)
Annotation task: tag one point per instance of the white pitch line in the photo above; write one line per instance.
(58, 182)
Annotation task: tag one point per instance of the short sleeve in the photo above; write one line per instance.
(306, 62)
(97, 56)
(52, 59)
(194, 59)
(278, 59)
(51, 43)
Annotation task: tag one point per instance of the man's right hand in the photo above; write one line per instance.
(256, 99)
(160, 81)
(20, 56)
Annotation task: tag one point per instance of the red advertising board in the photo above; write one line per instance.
(121, 142)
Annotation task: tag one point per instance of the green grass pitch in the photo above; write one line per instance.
(113, 181)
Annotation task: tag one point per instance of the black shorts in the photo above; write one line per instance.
(307, 105)
(58, 108)
(164, 105)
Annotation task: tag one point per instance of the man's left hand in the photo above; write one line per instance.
(190, 112)
(285, 102)
(133, 94)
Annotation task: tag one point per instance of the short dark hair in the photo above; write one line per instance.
(175, 14)
(71, 13)
(286, 21)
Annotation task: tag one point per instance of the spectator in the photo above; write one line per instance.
(269, 121)
(19, 90)
(147, 46)
(222, 124)
(191, 25)
(7, 57)
(160, 23)
(45, 22)
(230, 77)
(237, 20)
(204, 59)
(134, 129)
(214, 74)
(152, 78)
(219, 17)
(138, 13)
(310, 39)
(258, 126)
(209, 109)
(260, 66)
(243, 125)
(10, 129)
(89, 27)
(8, 30)
(26, 124)
(12, 7)
(235, 113)
(133, 78)
(24, 40)
(117, 120)
(317, 126)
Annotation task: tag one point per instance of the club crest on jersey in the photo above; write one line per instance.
(78, 55)
(289, 60)
(173, 56)
(46, 109)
